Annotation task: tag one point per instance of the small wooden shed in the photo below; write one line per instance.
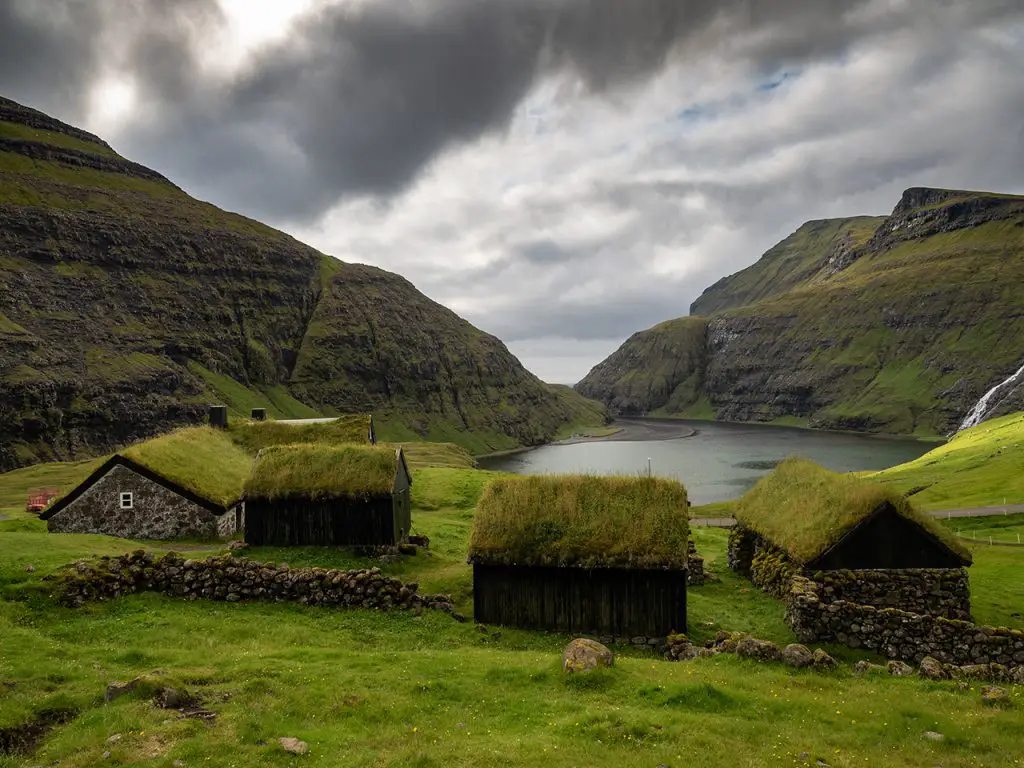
(863, 542)
(602, 555)
(823, 520)
(328, 495)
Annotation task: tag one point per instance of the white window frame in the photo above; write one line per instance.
(129, 497)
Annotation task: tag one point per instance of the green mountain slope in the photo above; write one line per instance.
(126, 306)
(897, 331)
(813, 248)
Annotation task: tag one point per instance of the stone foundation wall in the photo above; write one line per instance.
(232, 522)
(932, 591)
(156, 512)
(741, 549)
(694, 567)
(898, 634)
(233, 579)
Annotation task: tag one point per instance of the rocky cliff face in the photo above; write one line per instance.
(658, 369)
(897, 329)
(126, 306)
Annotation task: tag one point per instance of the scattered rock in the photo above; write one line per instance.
(1017, 675)
(900, 669)
(30, 569)
(293, 746)
(117, 689)
(822, 660)
(726, 642)
(114, 739)
(106, 755)
(173, 698)
(761, 650)
(994, 696)
(238, 546)
(863, 667)
(933, 736)
(178, 764)
(581, 655)
(932, 669)
(797, 656)
(995, 673)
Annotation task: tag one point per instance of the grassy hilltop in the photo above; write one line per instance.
(896, 325)
(367, 688)
(126, 306)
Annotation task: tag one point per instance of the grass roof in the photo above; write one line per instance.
(579, 520)
(254, 435)
(322, 471)
(204, 460)
(805, 509)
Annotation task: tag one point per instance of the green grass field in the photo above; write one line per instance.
(981, 466)
(366, 688)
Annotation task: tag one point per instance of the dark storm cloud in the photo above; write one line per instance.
(359, 99)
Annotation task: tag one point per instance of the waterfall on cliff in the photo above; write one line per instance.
(977, 414)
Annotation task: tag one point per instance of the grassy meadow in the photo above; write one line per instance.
(981, 466)
(367, 688)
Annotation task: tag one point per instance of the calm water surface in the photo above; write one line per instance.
(719, 463)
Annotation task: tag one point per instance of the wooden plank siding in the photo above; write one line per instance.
(605, 601)
(334, 522)
(886, 539)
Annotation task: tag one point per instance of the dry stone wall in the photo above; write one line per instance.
(898, 634)
(156, 512)
(932, 591)
(234, 579)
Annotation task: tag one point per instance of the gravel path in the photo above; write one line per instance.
(1011, 509)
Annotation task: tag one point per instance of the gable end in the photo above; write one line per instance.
(885, 539)
(122, 461)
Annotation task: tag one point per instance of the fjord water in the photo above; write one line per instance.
(721, 461)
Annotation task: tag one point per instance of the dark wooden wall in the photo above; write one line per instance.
(402, 513)
(323, 523)
(887, 540)
(604, 601)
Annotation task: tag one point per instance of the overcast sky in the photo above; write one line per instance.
(562, 173)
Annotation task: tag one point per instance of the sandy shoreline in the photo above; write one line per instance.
(637, 430)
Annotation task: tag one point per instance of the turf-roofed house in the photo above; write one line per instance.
(183, 485)
(328, 495)
(863, 542)
(601, 555)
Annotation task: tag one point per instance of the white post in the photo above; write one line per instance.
(648, 466)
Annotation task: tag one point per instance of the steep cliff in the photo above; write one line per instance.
(126, 306)
(897, 330)
(658, 369)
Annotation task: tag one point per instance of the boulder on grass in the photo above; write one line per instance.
(823, 661)
(994, 696)
(995, 673)
(759, 650)
(797, 656)
(900, 669)
(932, 669)
(582, 655)
(293, 746)
(863, 667)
